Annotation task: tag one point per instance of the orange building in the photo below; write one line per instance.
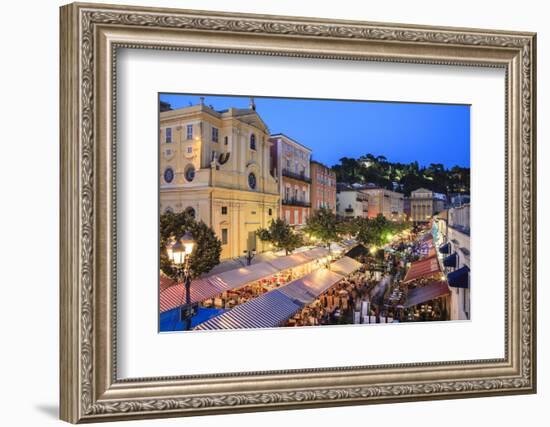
(323, 187)
(290, 165)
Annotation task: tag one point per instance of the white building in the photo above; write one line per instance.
(352, 203)
(455, 254)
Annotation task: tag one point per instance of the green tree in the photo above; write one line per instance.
(323, 225)
(378, 170)
(281, 236)
(377, 231)
(207, 250)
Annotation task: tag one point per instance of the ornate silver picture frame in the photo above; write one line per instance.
(91, 35)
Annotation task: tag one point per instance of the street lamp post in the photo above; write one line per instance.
(179, 253)
(250, 254)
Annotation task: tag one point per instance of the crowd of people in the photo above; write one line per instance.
(374, 293)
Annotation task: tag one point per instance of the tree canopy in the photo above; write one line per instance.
(408, 177)
(280, 235)
(376, 231)
(323, 224)
(207, 250)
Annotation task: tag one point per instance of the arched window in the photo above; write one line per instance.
(253, 142)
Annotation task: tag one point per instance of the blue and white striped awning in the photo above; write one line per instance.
(266, 311)
(277, 306)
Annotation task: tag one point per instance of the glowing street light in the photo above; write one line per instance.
(179, 252)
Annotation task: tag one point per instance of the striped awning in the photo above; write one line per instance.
(266, 311)
(316, 253)
(424, 268)
(201, 289)
(242, 276)
(426, 293)
(289, 261)
(309, 287)
(345, 266)
(172, 294)
(165, 281)
(275, 307)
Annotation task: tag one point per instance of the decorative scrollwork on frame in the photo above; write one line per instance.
(90, 18)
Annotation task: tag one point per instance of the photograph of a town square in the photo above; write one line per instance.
(283, 212)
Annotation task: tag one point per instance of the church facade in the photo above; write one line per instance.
(216, 166)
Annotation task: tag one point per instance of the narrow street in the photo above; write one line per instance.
(377, 293)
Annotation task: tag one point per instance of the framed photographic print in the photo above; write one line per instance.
(266, 212)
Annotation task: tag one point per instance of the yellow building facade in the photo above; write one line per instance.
(216, 165)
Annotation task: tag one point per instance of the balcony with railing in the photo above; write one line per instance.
(296, 202)
(299, 176)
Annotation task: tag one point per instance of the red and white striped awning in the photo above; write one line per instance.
(201, 289)
(165, 281)
(426, 293)
(172, 295)
(424, 268)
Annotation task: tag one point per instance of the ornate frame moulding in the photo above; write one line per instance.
(90, 36)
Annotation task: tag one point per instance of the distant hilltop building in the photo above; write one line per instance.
(216, 166)
(290, 165)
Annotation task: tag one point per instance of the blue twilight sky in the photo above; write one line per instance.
(403, 132)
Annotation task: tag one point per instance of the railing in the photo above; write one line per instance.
(298, 176)
(296, 202)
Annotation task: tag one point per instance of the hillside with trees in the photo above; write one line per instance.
(408, 177)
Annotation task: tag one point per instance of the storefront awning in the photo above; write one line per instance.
(459, 278)
(426, 293)
(308, 288)
(316, 253)
(289, 261)
(424, 268)
(357, 252)
(201, 289)
(242, 276)
(172, 294)
(445, 248)
(345, 266)
(266, 311)
(275, 307)
(450, 261)
(165, 281)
